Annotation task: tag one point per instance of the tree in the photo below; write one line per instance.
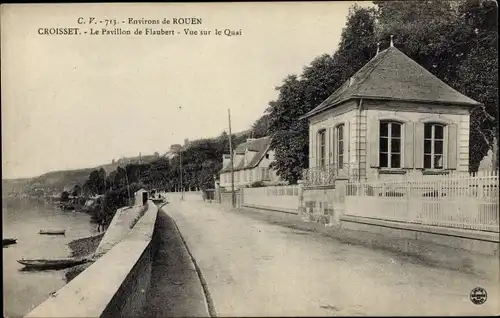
(289, 135)
(65, 196)
(457, 42)
(76, 190)
(297, 96)
(95, 182)
(477, 75)
(261, 127)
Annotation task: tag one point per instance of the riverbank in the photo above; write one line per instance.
(79, 248)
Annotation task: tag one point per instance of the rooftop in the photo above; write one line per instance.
(392, 75)
(258, 147)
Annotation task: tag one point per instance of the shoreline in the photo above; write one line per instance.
(80, 248)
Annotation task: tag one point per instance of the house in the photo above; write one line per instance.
(251, 162)
(391, 117)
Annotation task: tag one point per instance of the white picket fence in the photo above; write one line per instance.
(466, 201)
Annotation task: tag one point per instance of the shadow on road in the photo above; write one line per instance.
(175, 289)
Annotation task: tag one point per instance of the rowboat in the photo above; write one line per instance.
(52, 232)
(8, 241)
(52, 263)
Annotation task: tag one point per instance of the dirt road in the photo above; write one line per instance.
(253, 268)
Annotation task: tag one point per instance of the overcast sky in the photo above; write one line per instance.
(79, 101)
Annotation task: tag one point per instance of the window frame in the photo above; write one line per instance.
(264, 174)
(433, 141)
(322, 148)
(390, 138)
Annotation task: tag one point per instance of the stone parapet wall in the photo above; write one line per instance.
(116, 284)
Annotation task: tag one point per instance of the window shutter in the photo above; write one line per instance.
(327, 147)
(316, 147)
(330, 145)
(311, 146)
(419, 146)
(334, 147)
(408, 146)
(374, 130)
(346, 142)
(452, 147)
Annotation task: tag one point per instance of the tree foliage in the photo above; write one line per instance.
(298, 95)
(454, 40)
(260, 128)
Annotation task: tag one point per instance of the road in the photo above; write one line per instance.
(254, 268)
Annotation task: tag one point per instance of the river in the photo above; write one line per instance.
(22, 219)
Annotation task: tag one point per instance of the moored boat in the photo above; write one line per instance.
(8, 241)
(51, 263)
(52, 232)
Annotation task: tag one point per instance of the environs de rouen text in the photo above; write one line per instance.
(96, 26)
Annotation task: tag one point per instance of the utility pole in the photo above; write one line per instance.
(232, 165)
(180, 167)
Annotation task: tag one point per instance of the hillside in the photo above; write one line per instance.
(59, 180)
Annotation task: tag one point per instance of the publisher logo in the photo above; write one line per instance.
(478, 296)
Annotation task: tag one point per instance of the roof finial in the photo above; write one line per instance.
(392, 44)
(378, 47)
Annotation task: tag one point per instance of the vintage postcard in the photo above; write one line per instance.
(250, 159)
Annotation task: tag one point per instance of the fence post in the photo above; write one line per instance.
(301, 205)
(339, 201)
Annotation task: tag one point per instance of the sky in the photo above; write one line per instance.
(71, 102)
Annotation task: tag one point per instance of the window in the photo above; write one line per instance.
(250, 175)
(433, 146)
(339, 132)
(267, 156)
(390, 145)
(265, 173)
(322, 150)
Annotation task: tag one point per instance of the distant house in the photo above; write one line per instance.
(391, 117)
(140, 197)
(251, 164)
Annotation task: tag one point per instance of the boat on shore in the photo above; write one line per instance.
(51, 263)
(53, 232)
(8, 241)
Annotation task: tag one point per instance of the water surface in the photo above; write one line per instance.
(23, 219)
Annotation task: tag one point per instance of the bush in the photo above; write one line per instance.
(65, 196)
(257, 184)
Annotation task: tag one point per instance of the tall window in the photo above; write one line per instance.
(390, 145)
(265, 173)
(339, 132)
(433, 146)
(322, 145)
